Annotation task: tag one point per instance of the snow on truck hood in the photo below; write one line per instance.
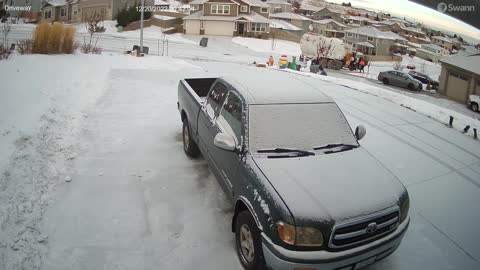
(336, 186)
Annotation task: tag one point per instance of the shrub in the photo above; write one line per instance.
(53, 39)
(4, 52)
(25, 46)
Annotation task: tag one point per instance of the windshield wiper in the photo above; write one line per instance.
(296, 152)
(333, 145)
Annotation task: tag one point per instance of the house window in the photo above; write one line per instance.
(220, 9)
(48, 14)
(259, 27)
(264, 10)
(349, 35)
(244, 8)
(74, 10)
(370, 38)
(62, 12)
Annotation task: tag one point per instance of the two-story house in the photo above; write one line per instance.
(329, 28)
(228, 18)
(293, 18)
(442, 42)
(327, 13)
(371, 41)
(277, 6)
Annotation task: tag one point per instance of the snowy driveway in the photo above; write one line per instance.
(137, 202)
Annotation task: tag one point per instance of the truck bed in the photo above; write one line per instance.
(192, 93)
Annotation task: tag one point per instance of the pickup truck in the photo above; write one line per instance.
(305, 194)
(473, 102)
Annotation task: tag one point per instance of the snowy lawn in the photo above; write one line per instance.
(270, 46)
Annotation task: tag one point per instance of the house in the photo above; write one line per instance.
(308, 10)
(388, 25)
(431, 52)
(414, 35)
(277, 6)
(460, 76)
(59, 10)
(293, 18)
(327, 13)
(442, 42)
(371, 41)
(358, 20)
(228, 18)
(329, 28)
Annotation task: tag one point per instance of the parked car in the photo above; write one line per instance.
(425, 79)
(473, 102)
(400, 78)
(304, 191)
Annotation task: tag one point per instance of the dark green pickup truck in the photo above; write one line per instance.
(306, 194)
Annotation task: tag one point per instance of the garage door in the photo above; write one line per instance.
(457, 87)
(219, 28)
(192, 27)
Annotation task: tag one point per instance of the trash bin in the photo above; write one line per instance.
(204, 42)
(136, 47)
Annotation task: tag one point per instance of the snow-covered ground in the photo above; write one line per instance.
(93, 175)
(270, 46)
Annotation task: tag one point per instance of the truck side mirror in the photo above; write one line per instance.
(360, 132)
(225, 141)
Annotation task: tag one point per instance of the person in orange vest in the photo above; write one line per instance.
(362, 65)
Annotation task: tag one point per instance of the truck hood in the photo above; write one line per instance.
(332, 187)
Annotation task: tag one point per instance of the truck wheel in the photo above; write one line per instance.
(331, 64)
(189, 146)
(385, 81)
(474, 106)
(249, 244)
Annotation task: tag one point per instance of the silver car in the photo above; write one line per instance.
(399, 78)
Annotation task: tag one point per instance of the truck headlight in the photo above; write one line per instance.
(300, 236)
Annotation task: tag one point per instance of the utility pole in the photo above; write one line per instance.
(141, 26)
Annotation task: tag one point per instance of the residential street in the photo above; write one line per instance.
(137, 202)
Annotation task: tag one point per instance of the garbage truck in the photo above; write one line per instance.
(330, 52)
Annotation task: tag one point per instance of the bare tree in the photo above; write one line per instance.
(93, 24)
(7, 26)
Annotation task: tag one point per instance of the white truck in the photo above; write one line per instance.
(330, 51)
(473, 102)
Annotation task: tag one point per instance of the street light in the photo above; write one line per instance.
(141, 26)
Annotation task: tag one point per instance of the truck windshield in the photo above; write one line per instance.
(299, 126)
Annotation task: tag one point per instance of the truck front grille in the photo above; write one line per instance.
(364, 230)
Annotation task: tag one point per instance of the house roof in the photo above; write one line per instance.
(371, 31)
(252, 17)
(331, 10)
(395, 36)
(358, 18)
(327, 21)
(411, 29)
(365, 44)
(309, 7)
(160, 3)
(198, 2)
(289, 15)
(442, 38)
(56, 3)
(278, 2)
(465, 62)
(432, 46)
(256, 3)
(283, 25)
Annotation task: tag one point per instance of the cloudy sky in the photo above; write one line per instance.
(418, 13)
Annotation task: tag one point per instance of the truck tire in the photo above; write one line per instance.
(474, 106)
(331, 64)
(248, 242)
(189, 146)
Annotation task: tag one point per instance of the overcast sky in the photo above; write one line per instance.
(419, 13)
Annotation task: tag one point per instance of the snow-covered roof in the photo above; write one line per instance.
(198, 2)
(289, 15)
(278, 2)
(411, 29)
(56, 3)
(365, 44)
(465, 62)
(161, 3)
(309, 7)
(283, 25)
(252, 17)
(163, 17)
(371, 31)
(256, 3)
(327, 21)
(433, 47)
(442, 38)
(395, 36)
(331, 10)
(358, 18)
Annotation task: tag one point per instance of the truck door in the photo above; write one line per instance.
(229, 121)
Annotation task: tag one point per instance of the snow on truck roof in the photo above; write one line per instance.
(277, 87)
